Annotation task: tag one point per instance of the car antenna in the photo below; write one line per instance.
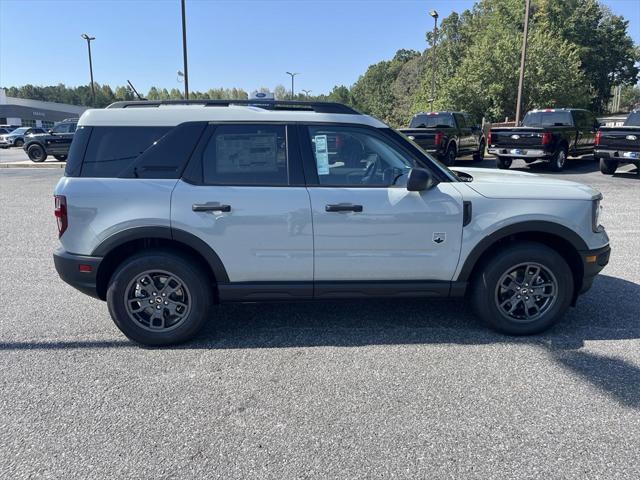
(135, 91)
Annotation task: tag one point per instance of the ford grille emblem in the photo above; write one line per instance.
(631, 137)
(515, 137)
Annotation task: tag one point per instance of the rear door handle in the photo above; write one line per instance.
(210, 207)
(343, 207)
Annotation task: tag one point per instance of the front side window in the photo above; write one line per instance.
(352, 156)
(246, 155)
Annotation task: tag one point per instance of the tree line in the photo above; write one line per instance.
(578, 51)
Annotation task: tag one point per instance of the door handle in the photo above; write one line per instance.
(343, 207)
(210, 207)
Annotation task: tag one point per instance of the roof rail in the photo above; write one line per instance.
(291, 105)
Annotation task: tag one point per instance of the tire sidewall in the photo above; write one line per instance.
(18, 143)
(504, 163)
(39, 158)
(450, 156)
(485, 284)
(608, 167)
(192, 275)
(555, 161)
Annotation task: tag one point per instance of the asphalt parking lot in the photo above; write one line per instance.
(410, 389)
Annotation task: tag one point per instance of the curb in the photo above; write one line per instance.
(28, 164)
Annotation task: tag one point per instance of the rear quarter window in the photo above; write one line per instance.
(110, 150)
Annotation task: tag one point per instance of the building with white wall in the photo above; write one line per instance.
(22, 112)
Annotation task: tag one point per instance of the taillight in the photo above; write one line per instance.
(489, 138)
(438, 138)
(60, 213)
(597, 139)
(546, 138)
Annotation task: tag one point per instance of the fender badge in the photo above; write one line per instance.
(439, 237)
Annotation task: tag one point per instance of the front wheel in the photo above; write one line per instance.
(504, 163)
(608, 167)
(524, 289)
(36, 153)
(159, 298)
(18, 143)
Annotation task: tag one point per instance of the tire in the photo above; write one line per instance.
(18, 143)
(504, 163)
(183, 310)
(36, 153)
(479, 155)
(449, 158)
(60, 158)
(488, 293)
(608, 167)
(559, 159)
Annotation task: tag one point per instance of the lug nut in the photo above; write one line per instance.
(166, 303)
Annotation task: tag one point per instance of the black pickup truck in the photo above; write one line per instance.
(616, 145)
(56, 142)
(551, 135)
(446, 135)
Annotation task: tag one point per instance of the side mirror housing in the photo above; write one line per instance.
(420, 179)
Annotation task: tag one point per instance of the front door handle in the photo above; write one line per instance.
(343, 207)
(210, 207)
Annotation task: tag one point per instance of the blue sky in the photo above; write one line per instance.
(240, 43)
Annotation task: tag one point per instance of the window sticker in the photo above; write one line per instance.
(322, 154)
(241, 152)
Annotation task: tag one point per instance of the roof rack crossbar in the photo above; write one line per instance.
(292, 105)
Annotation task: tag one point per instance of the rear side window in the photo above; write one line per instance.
(246, 155)
(112, 149)
(76, 152)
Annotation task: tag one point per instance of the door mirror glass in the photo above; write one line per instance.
(420, 179)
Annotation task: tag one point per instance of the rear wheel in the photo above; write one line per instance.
(36, 153)
(159, 298)
(504, 162)
(60, 158)
(450, 157)
(559, 160)
(608, 167)
(523, 290)
(479, 155)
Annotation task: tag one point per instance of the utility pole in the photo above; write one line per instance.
(434, 65)
(93, 88)
(293, 74)
(184, 52)
(523, 59)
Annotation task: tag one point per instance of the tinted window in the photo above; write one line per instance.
(246, 155)
(112, 149)
(76, 152)
(64, 128)
(547, 119)
(350, 156)
(461, 121)
(431, 120)
(167, 157)
(633, 120)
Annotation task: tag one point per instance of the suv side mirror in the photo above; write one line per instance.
(420, 179)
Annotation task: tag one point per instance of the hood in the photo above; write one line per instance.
(513, 184)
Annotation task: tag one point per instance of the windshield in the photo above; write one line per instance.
(633, 120)
(547, 119)
(19, 131)
(432, 120)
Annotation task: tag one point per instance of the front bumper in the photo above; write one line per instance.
(5, 143)
(523, 152)
(593, 261)
(79, 271)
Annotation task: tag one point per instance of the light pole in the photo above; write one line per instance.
(184, 52)
(434, 65)
(523, 59)
(293, 74)
(93, 88)
(306, 92)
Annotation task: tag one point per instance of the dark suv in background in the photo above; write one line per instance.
(56, 142)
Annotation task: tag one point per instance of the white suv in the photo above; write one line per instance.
(167, 208)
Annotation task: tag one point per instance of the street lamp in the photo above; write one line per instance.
(293, 74)
(523, 60)
(434, 65)
(93, 89)
(306, 92)
(184, 53)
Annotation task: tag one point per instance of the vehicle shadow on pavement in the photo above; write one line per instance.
(608, 312)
